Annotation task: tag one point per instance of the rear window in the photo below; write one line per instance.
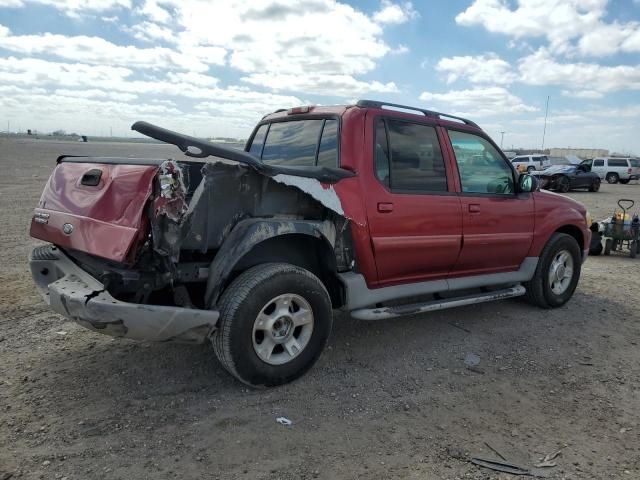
(299, 143)
(618, 162)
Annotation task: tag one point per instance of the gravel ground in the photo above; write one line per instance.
(391, 399)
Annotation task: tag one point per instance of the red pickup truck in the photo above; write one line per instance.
(376, 209)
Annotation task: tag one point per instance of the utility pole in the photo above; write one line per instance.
(8, 126)
(544, 132)
(111, 131)
(501, 139)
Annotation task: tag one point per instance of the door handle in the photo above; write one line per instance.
(474, 208)
(385, 207)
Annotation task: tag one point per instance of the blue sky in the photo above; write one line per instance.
(213, 68)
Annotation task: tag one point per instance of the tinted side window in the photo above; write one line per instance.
(328, 150)
(618, 163)
(634, 162)
(292, 143)
(416, 163)
(258, 141)
(598, 163)
(482, 169)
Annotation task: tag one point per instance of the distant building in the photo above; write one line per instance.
(582, 153)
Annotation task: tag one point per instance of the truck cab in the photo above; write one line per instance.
(377, 209)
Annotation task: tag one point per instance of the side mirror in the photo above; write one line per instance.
(527, 183)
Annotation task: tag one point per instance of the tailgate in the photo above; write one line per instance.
(95, 206)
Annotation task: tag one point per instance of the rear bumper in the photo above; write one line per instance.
(73, 293)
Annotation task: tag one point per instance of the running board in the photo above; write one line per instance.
(414, 308)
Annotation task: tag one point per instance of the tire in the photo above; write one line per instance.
(624, 182)
(249, 302)
(633, 249)
(595, 185)
(560, 250)
(612, 178)
(531, 169)
(608, 243)
(563, 184)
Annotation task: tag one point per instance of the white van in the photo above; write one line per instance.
(531, 162)
(615, 169)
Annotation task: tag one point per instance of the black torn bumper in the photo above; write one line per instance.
(73, 293)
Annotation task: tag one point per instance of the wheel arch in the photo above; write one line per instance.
(307, 244)
(575, 232)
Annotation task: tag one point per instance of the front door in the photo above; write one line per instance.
(414, 212)
(497, 223)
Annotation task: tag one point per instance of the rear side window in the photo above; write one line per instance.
(408, 158)
(292, 143)
(598, 163)
(635, 163)
(618, 162)
(299, 143)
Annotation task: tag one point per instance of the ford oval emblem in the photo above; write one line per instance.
(67, 228)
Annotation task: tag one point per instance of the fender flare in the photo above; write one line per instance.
(248, 233)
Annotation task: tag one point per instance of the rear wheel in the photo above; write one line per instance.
(612, 178)
(608, 243)
(563, 184)
(275, 320)
(595, 185)
(633, 248)
(624, 182)
(557, 273)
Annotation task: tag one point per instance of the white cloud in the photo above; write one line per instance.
(541, 68)
(338, 85)
(562, 22)
(393, 13)
(582, 93)
(98, 94)
(478, 102)
(485, 69)
(155, 12)
(98, 51)
(73, 8)
(152, 32)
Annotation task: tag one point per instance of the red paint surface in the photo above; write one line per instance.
(422, 237)
(107, 219)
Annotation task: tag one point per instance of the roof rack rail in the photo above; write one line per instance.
(426, 113)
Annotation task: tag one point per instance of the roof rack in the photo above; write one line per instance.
(426, 113)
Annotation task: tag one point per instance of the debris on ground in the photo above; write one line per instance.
(547, 461)
(284, 421)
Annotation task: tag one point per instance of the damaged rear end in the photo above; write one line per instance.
(143, 248)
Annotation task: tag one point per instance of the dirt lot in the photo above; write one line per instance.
(391, 399)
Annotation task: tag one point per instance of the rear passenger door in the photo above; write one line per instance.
(414, 214)
(497, 222)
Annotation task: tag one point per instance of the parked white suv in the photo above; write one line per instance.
(615, 169)
(531, 162)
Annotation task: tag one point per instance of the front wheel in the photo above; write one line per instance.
(557, 274)
(595, 186)
(624, 182)
(275, 320)
(531, 169)
(612, 178)
(564, 184)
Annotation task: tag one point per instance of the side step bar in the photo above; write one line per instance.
(414, 308)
